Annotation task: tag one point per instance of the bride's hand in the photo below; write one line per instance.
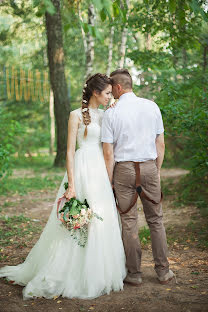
(113, 104)
(70, 193)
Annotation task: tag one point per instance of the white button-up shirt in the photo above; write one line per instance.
(132, 126)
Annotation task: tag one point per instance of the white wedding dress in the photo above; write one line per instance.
(56, 265)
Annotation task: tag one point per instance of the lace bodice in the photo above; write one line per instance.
(93, 129)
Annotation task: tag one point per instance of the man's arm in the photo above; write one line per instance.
(160, 146)
(109, 159)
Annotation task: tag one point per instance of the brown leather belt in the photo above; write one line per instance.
(139, 192)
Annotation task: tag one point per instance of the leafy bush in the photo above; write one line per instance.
(183, 103)
(9, 128)
(184, 107)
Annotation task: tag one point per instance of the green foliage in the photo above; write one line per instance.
(43, 7)
(183, 103)
(193, 190)
(185, 112)
(175, 76)
(110, 9)
(9, 129)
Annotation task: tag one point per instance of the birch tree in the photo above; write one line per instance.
(52, 122)
(90, 42)
(123, 39)
(110, 51)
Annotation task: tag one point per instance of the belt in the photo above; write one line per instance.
(139, 191)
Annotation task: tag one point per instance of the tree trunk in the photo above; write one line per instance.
(52, 122)
(58, 81)
(110, 51)
(82, 30)
(205, 57)
(148, 41)
(123, 48)
(90, 43)
(123, 42)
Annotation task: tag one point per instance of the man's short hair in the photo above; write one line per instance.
(122, 77)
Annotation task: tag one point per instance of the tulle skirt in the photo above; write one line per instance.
(56, 265)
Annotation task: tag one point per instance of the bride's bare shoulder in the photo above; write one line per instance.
(76, 113)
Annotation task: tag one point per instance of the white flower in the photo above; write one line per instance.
(85, 85)
(84, 110)
(84, 101)
(83, 212)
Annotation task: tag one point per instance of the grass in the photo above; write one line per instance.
(36, 162)
(195, 233)
(199, 232)
(24, 185)
(36, 181)
(15, 231)
(144, 235)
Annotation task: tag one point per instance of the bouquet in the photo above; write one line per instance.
(75, 216)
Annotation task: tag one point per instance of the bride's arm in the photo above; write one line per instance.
(73, 125)
(109, 159)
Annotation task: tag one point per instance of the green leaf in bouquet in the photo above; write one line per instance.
(64, 208)
(74, 203)
(73, 211)
(67, 204)
(73, 207)
(64, 216)
(66, 185)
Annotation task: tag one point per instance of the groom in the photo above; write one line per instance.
(133, 146)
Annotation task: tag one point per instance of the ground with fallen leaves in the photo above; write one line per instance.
(188, 257)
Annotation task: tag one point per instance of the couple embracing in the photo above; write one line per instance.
(119, 156)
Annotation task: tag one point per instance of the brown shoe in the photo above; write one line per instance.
(134, 281)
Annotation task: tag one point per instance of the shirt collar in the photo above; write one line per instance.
(127, 94)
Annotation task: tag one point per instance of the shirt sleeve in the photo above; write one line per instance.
(106, 130)
(159, 121)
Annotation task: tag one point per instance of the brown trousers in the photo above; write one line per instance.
(124, 185)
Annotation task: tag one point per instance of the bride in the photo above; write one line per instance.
(56, 265)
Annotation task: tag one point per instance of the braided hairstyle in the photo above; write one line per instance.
(98, 83)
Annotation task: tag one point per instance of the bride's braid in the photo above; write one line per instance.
(86, 94)
(97, 82)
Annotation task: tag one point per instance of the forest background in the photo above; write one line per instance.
(164, 44)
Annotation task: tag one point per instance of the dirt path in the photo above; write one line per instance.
(186, 259)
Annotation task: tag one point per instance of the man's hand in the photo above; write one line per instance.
(160, 146)
(158, 172)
